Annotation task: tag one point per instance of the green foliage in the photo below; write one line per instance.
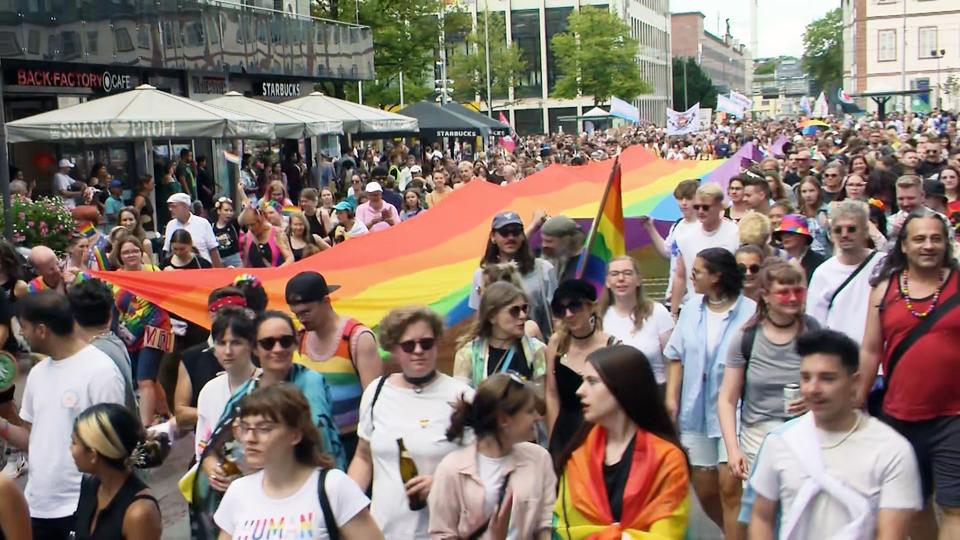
(823, 49)
(766, 68)
(43, 222)
(597, 57)
(469, 70)
(699, 86)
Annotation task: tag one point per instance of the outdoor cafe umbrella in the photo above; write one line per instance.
(287, 123)
(356, 118)
(143, 113)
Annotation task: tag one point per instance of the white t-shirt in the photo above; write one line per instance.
(247, 512)
(421, 420)
(646, 339)
(714, 328)
(62, 182)
(56, 393)
(211, 401)
(693, 240)
(491, 472)
(849, 311)
(201, 232)
(671, 244)
(875, 461)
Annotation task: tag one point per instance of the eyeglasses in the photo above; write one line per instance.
(410, 345)
(260, 430)
(625, 273)
(751, 269)
(510, 231)
(845, 229)
(796, 292)
(574, 307)
(268, 343)
(831, 175)
(704, 207)
(515, 311)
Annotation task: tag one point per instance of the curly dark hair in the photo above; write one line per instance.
(896, 259)
(722, 262)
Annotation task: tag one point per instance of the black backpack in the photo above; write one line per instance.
(333, 530)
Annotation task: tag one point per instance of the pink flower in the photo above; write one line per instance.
(29, 224)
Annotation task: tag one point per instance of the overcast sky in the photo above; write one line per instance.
(781, 22)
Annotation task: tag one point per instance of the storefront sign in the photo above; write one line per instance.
(113, 130)
(106, 81)
(456, 133)
(208, 85)
(277, 89)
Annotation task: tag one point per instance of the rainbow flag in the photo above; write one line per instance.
(430, 260)
(290, 210)
(607, 238)
(87, 229)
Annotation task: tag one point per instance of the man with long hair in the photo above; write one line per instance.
(912, 324)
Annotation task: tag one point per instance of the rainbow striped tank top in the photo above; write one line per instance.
(341, 375)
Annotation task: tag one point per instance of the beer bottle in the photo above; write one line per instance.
(408, 471)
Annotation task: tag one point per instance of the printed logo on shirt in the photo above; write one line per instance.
(277, 528)
(69, 399)
(157, 338)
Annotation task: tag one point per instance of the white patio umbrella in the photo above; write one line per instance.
(143, 113)
(288, 123)
(356, 118)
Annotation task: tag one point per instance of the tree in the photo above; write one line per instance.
(699, 86)
(823, 49)
(597, 57)
(469, 71)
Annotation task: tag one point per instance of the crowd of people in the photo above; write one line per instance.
(759, 383)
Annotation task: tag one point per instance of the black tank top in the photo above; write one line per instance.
(201, 366)
(110, 522)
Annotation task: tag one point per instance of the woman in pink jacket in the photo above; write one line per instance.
(501, 486)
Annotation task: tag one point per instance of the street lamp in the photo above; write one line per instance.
(939, 56)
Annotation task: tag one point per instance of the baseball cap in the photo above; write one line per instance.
(181, 198)
(503, 219)
(342, 206)
(934, 188)
(308, 287)
(116, 183)
(560, 226)
(373, 187)
(65, 163)
(416, 169)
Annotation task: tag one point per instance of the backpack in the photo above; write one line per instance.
(333, 530)
(750, 336)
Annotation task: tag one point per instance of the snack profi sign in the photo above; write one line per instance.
(105, 81)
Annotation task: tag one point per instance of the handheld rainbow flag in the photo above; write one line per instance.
(606, 238)
(87, 229)
(290, 210)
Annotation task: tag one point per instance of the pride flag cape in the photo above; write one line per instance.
(607, 238)
(430, 260)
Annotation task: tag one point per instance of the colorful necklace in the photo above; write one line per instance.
(905, 294)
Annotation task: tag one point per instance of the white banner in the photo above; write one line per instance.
(743, 101)
(821, 109)
(729, 106)
(622, 109)
(683, 123)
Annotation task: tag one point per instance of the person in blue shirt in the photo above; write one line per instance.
(114, 204)
(695, 354)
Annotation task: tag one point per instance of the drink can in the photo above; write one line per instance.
(791, 392)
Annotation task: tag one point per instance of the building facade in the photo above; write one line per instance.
(57, 53)
(778, 94)
(725, 60)
(531, 24)
(892, 45)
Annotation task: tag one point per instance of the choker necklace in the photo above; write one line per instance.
(593, 330)
(720, 302)
(778, 325)
(419, 382)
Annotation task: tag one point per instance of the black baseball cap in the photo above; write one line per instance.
(308, 287)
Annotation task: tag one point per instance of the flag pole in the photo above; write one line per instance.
(585, 254)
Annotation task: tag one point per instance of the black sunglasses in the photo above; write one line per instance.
(515, 378)
(510, 231)
(268, 343)
(575, 306)
(849, 229)
(752, 269)
(411, 344)
(704, 207)
(515, 311)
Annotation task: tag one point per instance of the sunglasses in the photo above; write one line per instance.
(704, 207)
(515, 378)
(848, 229)
(796, 292)
(410, 345)
(515, 311)
(268, 343)
(752, 269)
(828, 175)
(510, 231)
(576, 306)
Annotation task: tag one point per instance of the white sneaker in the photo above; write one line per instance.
(16, 466)
(169, 428)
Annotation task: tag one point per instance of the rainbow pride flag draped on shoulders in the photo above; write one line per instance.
(607, 238)
(656, 498)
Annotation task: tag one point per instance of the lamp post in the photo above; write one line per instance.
(939, 56)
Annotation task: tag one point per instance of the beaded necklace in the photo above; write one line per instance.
(905, 295)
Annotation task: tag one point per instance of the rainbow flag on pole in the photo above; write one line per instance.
(606, 238)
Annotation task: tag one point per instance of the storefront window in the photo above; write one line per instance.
(525, 28)
(556, 24)
(529, 121)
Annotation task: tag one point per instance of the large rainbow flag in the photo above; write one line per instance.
(431, 258)
(607, 238)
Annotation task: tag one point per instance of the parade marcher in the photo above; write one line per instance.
(74, 375)
(183, 256)
(316, 211)
(498, 341)
(129, 219)
(227, 232)
(683, 193)
(910, 196)
(14, 512)
(794, 235)
(47, 267)
(348, 225)
(108, 441)
(912, 324)
(561, 244)
(757, 196)
(377, 211)
(625, 474)
(465, 500)
(264, 245)
(579, 332)
(839, 291)
(810, 205)
(339, 347)
(296, 484)
(200, 229)
(634, 319)
(712, 231)
(835, 472)
(697, 348)
(738, 207)
(411, 408)
(508, 242)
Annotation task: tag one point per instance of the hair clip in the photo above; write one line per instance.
(247, 279)
(877, 203)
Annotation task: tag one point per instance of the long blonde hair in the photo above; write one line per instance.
(644, 306)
